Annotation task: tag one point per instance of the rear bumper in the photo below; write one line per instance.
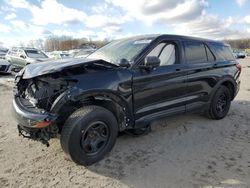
(30, 117)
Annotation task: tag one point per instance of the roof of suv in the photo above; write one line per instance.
(182, 37)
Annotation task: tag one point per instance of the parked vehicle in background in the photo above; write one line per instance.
(123, 86)
(241, 54)
(3, 52)
(59, 55)
(4, 66)
(82, 53)
(73, 52)
(235, 54)
(20, 57)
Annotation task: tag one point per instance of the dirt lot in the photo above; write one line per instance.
(181, 151)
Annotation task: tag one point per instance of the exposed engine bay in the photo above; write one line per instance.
(39, 94)
(42, 91)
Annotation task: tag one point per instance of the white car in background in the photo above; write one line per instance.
(84, 52)
(59, 55)
(241, 54)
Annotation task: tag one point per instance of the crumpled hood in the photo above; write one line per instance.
(42, 68)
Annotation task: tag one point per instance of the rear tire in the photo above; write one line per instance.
(89, 134)
(220, 104)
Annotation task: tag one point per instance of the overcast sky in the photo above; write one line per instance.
(24, 20)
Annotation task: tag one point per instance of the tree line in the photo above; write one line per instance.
(239, 43)
(68, 43)
(64, 43)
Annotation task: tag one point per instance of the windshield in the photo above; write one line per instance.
(35, 54)
(120, 49)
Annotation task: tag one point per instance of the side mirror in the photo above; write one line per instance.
(151, 62)
(22, 56)
(124, 63)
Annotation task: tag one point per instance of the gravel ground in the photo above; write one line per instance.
(181, 151)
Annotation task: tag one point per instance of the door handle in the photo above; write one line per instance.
(177, 70)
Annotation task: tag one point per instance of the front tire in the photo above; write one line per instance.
(89, 134)
(220, 104)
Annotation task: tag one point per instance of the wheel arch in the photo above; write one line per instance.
(228, 82)
(70, 102)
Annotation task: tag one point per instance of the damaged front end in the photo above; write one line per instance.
(33, 99)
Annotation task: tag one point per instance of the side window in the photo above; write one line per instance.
(19, 53)
(223, 52)
(195, 52)
(166, 53)
(210, 56)
(14, 52)
(157, 50)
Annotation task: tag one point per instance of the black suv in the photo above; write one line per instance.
(122, 87)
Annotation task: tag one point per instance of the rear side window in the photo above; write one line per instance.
(223, 52)
(195, 52)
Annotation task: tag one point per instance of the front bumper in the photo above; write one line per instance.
(29, 116)
(30, 119)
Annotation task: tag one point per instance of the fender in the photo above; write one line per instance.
(76, 95)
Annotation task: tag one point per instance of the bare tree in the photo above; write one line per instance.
(239, 43)
(63, 43)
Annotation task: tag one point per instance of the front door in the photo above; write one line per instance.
(161, 90)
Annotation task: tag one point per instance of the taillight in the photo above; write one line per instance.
(239, 67)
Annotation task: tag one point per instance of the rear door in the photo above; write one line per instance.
(201, 63)
(163, 89)
(11, 54)
(22, 58)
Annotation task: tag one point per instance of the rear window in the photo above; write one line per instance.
(195, 52)
(223, 52)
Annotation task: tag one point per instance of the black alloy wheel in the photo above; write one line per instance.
(89, 134)
(220, 103)
(95, 137)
